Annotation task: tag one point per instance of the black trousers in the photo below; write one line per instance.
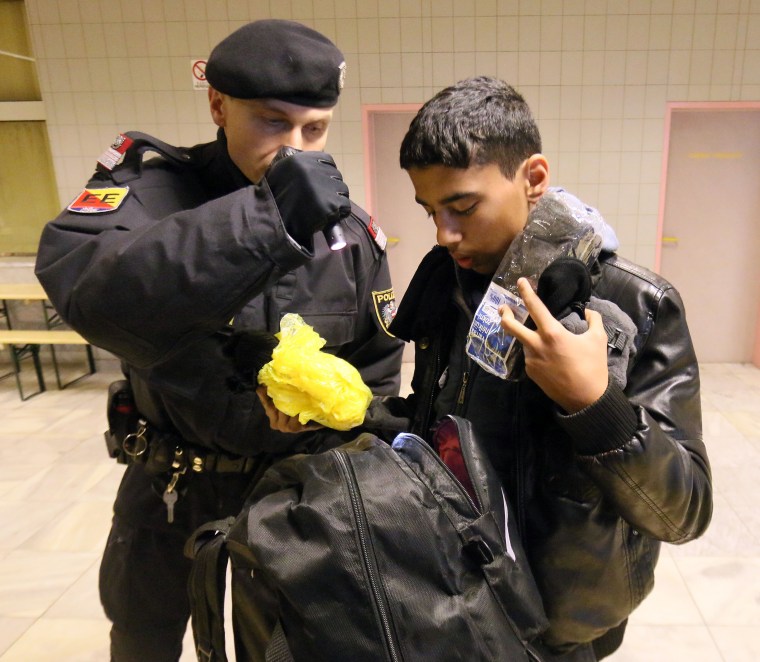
(144, 573)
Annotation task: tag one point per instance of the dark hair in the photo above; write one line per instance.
(474, 122)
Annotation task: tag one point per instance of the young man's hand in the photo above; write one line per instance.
(571, 369)
(280, 421)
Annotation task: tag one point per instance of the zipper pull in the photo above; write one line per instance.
(463, 388)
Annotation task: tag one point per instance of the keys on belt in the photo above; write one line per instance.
(161, 455)
(170, 493)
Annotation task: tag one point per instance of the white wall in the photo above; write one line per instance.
(598, 74)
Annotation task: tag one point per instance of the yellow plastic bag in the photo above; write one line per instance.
(313, 385)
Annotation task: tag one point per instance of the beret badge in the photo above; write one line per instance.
(342, 75)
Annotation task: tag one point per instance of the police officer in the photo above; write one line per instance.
(161, 262)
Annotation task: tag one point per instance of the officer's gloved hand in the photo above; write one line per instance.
(309, 192)
(249, 350)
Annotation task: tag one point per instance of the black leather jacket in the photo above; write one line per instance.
(597, 491)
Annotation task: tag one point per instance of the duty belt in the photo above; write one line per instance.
(221, 462)
(163, 452)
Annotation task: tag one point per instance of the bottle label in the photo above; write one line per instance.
(487, 343)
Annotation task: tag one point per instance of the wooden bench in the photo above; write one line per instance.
(24, 343)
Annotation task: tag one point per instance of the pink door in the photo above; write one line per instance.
(711, 226)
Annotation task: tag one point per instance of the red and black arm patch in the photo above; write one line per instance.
(99, 200)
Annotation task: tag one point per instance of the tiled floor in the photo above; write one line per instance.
(57, 487)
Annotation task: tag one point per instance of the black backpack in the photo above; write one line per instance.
(370, 552)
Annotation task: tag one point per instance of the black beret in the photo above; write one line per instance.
(277, 59)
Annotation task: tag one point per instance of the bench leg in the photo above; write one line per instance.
(90, 367)
(18, 354)
(6, 315)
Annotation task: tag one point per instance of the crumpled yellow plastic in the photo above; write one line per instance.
(306, 382)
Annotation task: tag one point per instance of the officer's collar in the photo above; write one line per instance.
(222, 176)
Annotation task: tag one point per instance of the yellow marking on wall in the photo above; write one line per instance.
(716, 155)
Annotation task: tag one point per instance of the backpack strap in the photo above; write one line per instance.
(277, 648)
(208, 549)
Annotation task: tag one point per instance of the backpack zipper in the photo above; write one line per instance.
(476, 508)
(367, 555)
(528, 647)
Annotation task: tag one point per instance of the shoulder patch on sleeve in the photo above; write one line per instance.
(376, 232)
(115, 152)
(99, 200)
(385, 308)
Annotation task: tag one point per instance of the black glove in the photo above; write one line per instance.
(565, 287)
(249, 351)
(309, 192)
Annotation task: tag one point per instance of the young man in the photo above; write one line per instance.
(600, 470)
(159, 263)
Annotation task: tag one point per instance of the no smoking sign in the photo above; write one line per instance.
(198, 68)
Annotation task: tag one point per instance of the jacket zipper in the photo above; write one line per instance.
(468, 376)
(461, 410)
(367, 555)
(463, 389)
(518, 464)
(427, 422)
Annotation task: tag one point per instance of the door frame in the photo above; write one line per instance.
(368, 112)
(673, 107)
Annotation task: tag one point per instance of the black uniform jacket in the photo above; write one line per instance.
(192, 248)
(595, 492)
